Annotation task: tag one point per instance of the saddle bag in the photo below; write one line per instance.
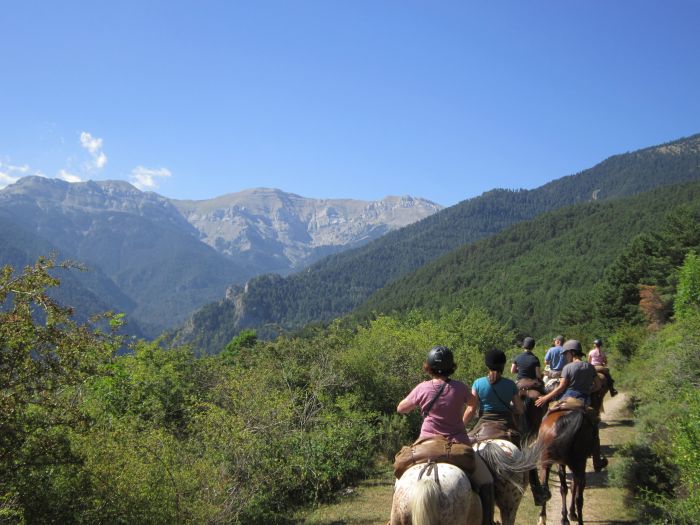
(438, 449)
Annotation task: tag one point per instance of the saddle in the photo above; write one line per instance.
(551, 383)
(570, 404)
(532, 388)
(493, 428)
(437, 450)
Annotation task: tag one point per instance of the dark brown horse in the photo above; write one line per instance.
(601, 386)
(529, 390)
(567, 439)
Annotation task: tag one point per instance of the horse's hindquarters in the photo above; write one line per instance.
(456, 499)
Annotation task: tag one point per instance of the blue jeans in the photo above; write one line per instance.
(578, 395)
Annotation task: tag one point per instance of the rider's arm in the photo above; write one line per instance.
(563, 384)
(405, 406)
(538, 373)
(513, 368)
(472, 407)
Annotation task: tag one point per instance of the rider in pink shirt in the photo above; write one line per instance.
(597, 358)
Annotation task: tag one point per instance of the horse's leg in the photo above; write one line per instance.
(575, 488)
(508, 499)
(544, 478)
(580, 484)
(563, 489)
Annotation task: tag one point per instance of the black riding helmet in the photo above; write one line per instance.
(598, 342)
(441, 361)
(573, 346)
(495, 359)
(529, 343)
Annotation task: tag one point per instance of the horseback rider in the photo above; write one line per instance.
(554, 359)
(444, 403)
(599, 360)
(495, 394)
(577, 378)
(526, 364)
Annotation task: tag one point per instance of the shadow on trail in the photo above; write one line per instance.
(616, 423)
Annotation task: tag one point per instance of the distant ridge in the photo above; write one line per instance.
(275, 231)
(158, 260)
(336, 285)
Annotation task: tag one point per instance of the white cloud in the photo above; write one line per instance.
(6, 179)
(68, 177)
(9, 173)
(94, 146)
(90, 143)
(145, 178)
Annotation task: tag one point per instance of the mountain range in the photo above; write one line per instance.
(158, 259)
(342, 282)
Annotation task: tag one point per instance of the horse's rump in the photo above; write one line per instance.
(560, 436)
(417, 495)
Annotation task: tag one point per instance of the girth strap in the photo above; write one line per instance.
(431, 467)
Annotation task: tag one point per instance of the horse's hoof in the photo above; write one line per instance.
(600, 464)
(542, 496)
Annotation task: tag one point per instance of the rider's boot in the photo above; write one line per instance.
(613, 390)
(488, 497)
(540, 493)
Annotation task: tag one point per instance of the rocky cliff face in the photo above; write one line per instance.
(289, 231)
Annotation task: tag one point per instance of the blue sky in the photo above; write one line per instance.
(329, 99)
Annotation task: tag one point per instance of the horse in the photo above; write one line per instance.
(509, 480)
(529, 390)
(567, 439)
(601, 386)
(441, 493)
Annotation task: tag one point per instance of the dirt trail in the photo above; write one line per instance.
(603, 505)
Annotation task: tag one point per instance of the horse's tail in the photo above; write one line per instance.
(510, 466)
(425, 503)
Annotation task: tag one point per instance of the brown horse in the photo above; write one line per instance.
(567, 439)
(601, 386)
(529, 390)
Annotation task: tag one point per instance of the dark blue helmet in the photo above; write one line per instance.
(441, 361)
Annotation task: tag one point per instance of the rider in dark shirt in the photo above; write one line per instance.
(526, 364)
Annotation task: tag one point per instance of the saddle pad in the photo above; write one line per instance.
(438, 449)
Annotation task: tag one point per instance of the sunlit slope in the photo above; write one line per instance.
(538, 274)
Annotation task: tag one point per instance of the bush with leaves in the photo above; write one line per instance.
(45, 359)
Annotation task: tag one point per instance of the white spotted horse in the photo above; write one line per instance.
(441, 493)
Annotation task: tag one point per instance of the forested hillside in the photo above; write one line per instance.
(92, 290)
(340, 283)
(545, 273)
